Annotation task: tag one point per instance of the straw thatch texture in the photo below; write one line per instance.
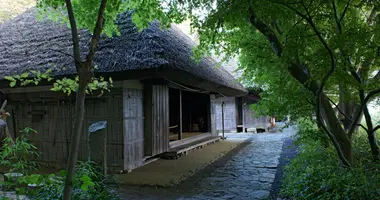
(27, 44)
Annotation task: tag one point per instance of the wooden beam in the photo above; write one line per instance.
(243, 116)
(180, 115)
(148, 121)
(27, 89)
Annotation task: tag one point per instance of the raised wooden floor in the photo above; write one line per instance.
(181, 149)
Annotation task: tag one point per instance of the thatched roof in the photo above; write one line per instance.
(28, 44)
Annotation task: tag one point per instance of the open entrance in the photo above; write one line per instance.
(239, 115)
(189, 114)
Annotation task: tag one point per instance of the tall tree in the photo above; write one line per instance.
(99, 16)
(308, 55)
(84, 67)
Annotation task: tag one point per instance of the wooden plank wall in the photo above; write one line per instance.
(160, 115)
(156, 109)
(254, 122)
(54, 129)
(133, 128)
(212, 119)
(230, 113)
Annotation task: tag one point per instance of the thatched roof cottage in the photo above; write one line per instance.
(162, 98)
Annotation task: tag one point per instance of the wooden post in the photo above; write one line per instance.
(180, 115)
(105, 154)
(223, 119)
(4, 116)
(243, 117)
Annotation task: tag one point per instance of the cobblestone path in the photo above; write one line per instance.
(248, 174)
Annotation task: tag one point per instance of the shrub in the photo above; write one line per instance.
(316, 174)
(89, 183)
(308, 132)
(18, 155)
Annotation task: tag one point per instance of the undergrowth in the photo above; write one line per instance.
(316, 174)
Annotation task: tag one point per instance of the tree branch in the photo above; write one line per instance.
(62, 52)
(362, 105)
(377, 76)
(308, 18)
(339, 26)
(345, 11)
(297, 71)
(331, 136)
(97, 32)
(266, 31)
(376, 128)
(349, 119)
(74, 34)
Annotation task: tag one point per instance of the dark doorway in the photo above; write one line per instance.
(239, 114)
(195, 113)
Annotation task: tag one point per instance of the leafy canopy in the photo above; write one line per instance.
(345, 25)
(225, 27)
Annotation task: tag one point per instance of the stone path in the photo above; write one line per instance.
(248, 174)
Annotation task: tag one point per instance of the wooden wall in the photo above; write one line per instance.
(254, 122)
(230, 113)
(55, 127)
(133, 128)
(156, 109)
(212, 118)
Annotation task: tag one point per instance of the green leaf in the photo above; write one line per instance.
(25, 75)
(85, 178)
(10, 78)
(12, 84)
(84, 187)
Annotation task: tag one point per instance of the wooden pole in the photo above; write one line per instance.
(180, 115)
(223, 119)
(3, 106)
(242, 110)
(4, 116)
(105, 153)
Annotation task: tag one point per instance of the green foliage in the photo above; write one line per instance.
(26, 78)
(225, 28)
(308, 131)
(18, 155)
(85, 13)
(89, 183)
(316, 174)
(65, 85)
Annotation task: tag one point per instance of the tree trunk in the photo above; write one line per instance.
(374, 146)
(78, 126)
(296, 69)
(338, 132)
(84, 70)
(371, 134)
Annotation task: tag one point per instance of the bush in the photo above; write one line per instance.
(308, 132)
(89, 183)
(18, 155)
(316, 174)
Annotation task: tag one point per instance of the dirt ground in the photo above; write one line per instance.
(246, 172)
(170, 172)
(179, 191)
